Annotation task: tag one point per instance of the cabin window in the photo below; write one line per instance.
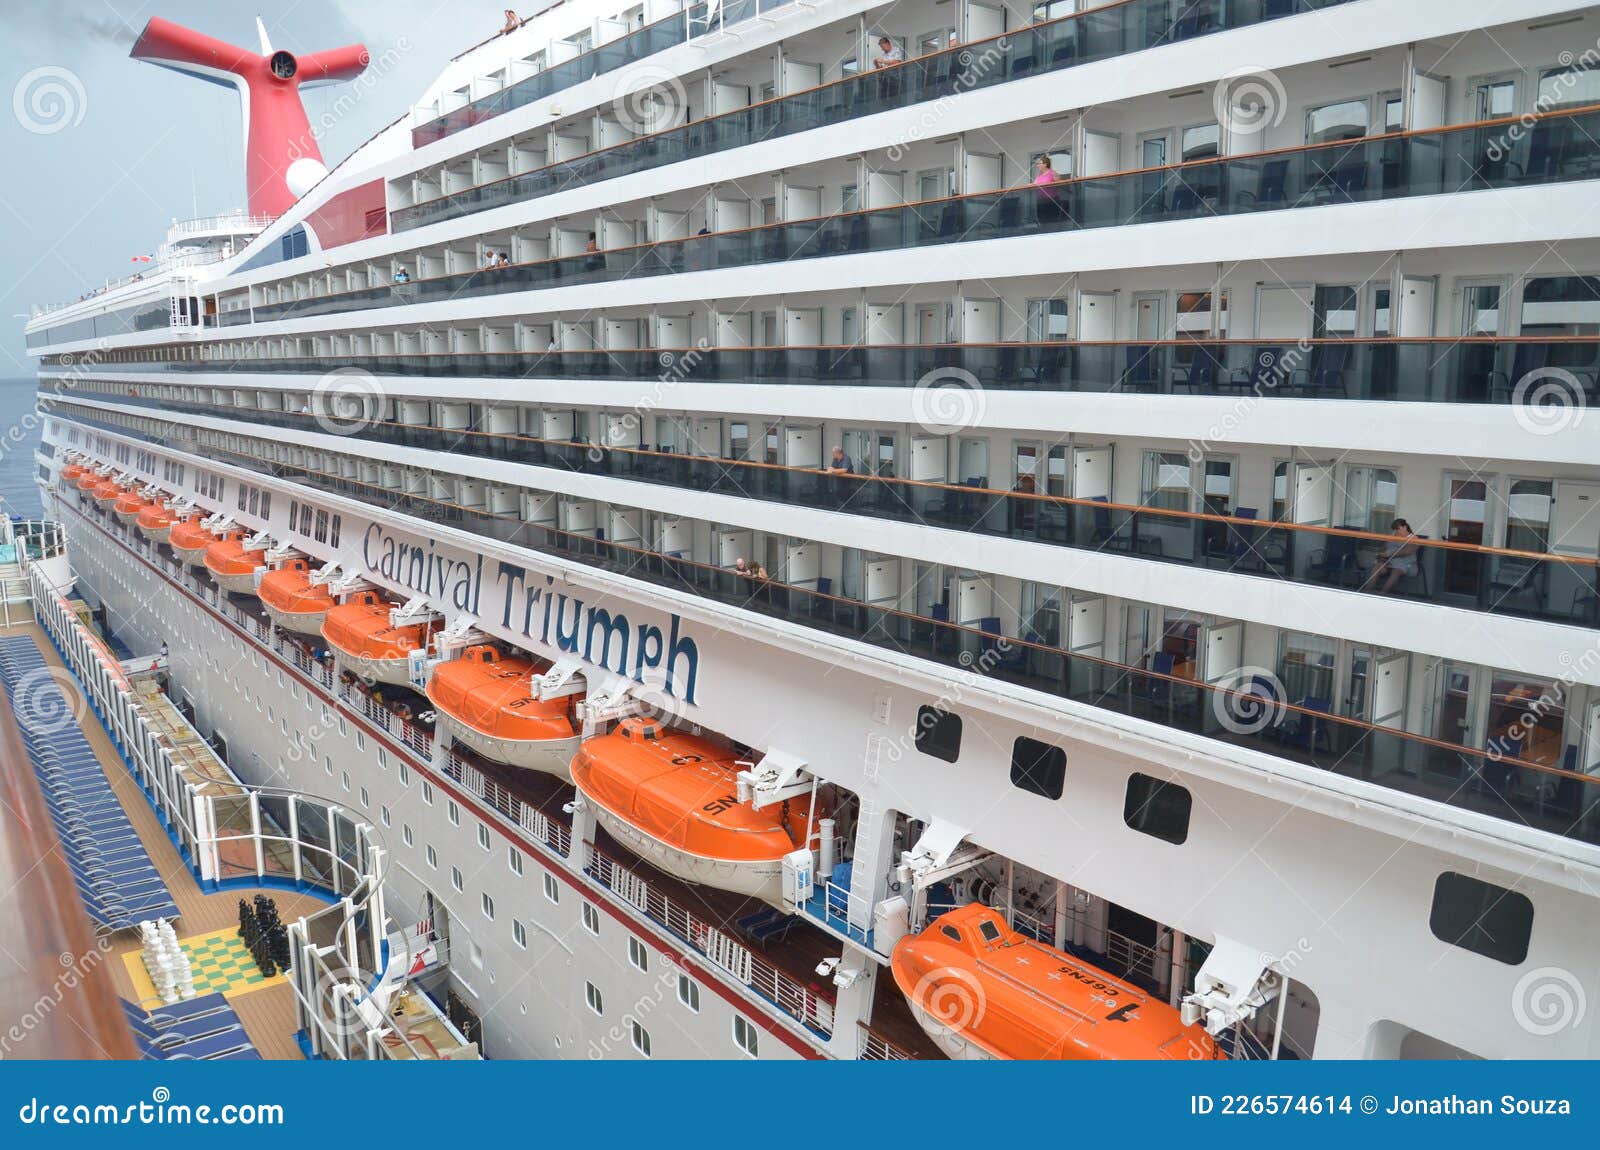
(745, 1035)
(641, 1039)
(551, 891)
(1038, 767)
(689, 993)
(453, 812)
(427, 793)
(591, 995)
(456, 880)
(638, 955)
(1481, 917)
(514, 860)
(519, 934)
(951, 933)
(990, 932)
(938, 733)
(1158, 808)
(405, 833)
(433, 857)
(488, 906)
(591, 918)
(483, 837)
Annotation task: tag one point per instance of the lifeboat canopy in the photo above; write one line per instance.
(983, 990)
(292, 600)
(673, 798)
(359, 629)
(485, 699)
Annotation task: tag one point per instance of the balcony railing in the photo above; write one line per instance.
(1258, 715)
(1111, 30)
(1463, 369)
(1501, 581)
(679, 28)
(1551, 148)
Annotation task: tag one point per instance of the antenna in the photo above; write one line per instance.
(282, 160)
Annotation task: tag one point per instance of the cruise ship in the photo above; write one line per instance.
(774, 529)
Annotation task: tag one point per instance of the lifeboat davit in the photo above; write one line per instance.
(155, 522)
(189, 541)
(484, 699)
(293, 601)
(234, 568)
(982, 990)
(359, 630)
(672, 799)
(128, 506)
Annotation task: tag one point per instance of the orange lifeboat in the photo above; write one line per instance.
(359, 630)
(128, 506)
(88, 480)
(71, 473)
(189, 541)
(107, 493)
(155, 522)
(484, 699)
(234, 568)
(982, 990)
(293, 601)
(671, 798)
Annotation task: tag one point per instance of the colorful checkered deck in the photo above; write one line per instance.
(220, 963)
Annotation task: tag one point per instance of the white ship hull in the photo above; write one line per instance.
(551, 756)
(762, 880)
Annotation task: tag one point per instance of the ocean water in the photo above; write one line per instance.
(19, 438)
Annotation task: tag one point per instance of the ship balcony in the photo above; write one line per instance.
(1552, 587)
(1539, 150)
(1104, 33)
(1446, 369)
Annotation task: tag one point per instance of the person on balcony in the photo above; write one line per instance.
(1399, 558)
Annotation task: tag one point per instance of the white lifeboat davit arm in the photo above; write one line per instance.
(276, 553)
(414, 611)
(779, 775)
(338, 581)
(941, 852)
(1233, 983)
(217, 521)
(258, 542)
(462, 633)
(560, 681)
(182, 506)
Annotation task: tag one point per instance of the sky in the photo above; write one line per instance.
(101, 153)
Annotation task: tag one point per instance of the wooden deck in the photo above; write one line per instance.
(268, 1013)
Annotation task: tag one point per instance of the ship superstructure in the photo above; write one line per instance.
(725, 489)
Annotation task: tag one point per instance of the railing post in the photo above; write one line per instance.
(255, 833)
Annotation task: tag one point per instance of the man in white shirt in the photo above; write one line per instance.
(889, 54)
